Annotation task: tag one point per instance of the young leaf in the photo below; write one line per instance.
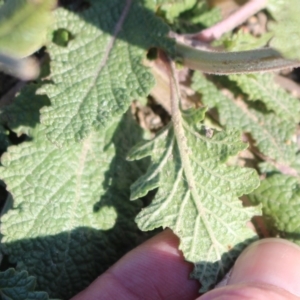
(200, 16)
(100, 71)
(198, 195)
(262, 87)
(244, 41)
(71, 218)
(171, 8)
(24, 25)
(19, 286)
(203, 14)
(280, 197)
(272, 134)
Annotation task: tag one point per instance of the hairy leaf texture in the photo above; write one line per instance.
(19, 286)
(71, 218)
(262, 87)
(272, 134)
(200, 205)
(97, 71)
(24, 25)
(285, 28)
(280, 196)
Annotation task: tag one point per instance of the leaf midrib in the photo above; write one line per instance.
(105, 57)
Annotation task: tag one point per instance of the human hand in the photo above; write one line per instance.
(268, 269)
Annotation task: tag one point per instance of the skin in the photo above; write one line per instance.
(268, 269)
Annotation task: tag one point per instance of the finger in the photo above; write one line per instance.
(154, 270)
(268, 269)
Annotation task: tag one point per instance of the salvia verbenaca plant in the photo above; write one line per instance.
(73, 155)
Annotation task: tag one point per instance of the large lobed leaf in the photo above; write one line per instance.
(19, 286)
(99, 72)
(71, 218)
(199, 204)
(272, 133)
(263, 87)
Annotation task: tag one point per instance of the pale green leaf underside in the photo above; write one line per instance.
(262, 87)
(286, 27)
(209, 220)
(24, 25)
(100, 71)
(272, 134)
(19, 286)
(280, 197)
(71, 216)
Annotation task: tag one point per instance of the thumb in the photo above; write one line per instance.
(267, 269)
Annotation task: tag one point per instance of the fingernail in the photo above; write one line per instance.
(270, 261)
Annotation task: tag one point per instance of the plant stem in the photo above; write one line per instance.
(213, 62)
(235, 19)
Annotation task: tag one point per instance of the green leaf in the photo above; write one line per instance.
(24, 25)
(280, 197)
(262, 87)
(242, 41)
(205, 15)
(19, 286)
(171, 8)
(272, 134)
(200, 16)
(100, 71)
(71, 216)
(286, 33)
(198, 195)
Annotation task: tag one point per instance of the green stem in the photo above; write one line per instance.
(213, 62)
